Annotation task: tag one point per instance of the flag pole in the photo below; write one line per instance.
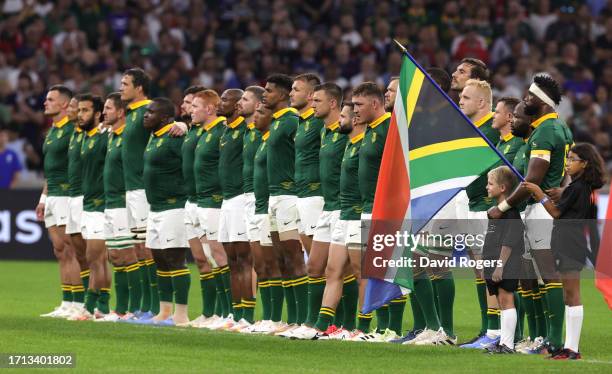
(491, 145)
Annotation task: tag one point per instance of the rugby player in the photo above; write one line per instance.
(307, 143)
(259, 229)
(52, 207)
(264, 262)
(531, 298)
(192, 224)
(93, 153)
(135, 85)
(232, 226)
(476, 104)
(369, 108)
(204, 109)
(166, 194)
(119, 240)
(327, 99)
(345, 247)
(284, 219)
(75, 204)
(546, 151)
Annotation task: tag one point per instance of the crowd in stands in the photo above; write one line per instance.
(87, 44)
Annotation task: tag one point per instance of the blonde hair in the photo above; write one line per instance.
(504, 176)
(209, 96)
(483, 87)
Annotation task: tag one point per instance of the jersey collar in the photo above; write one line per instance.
(307, 113)
(357, 138)
(281, 112)
(61, 123)
(251, 125)
(484, 119)
(334, 126)
(214, 123)
(265, 136)
(93, 131)
(138, 104)
(119, 130)
(379, 120)
(539, 121)
(163, 130)
(236, 122)
(507, 137)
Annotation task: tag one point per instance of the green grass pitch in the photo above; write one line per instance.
(28, 289)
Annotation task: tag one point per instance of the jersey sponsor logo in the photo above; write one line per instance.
(351, 235)
(169, 240)
(171, 200)
(507, 149)
(235, 134)
(208, 137)
(92, 142)
(240, 233)
(133, 116)
(336, 135)
(200, 131)
(313, 227)
(60, 133)
(252, 136)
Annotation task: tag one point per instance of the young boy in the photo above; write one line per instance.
(503, 247)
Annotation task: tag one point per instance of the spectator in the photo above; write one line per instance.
(10, 167)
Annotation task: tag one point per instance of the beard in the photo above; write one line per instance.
(531, 110)
(87, 125)
(345, 129)
(520, 131)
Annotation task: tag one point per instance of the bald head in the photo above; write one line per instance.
(229, 99)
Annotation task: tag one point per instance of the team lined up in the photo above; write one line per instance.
(252, 177)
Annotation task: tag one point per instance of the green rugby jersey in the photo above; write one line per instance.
(370, 156)
(55, 153)
(93, 153)
(206, 165)
(350, 197)
(260, 176)
(281, 152)
(230, 158)
(163, 171)
(509, 146)
(477, 190)
(75, 168)
(114, 184)
(330, 160)
(250, 143)
(550, 140)
(188, 153)
(307, 143)
(135, 138)
(520, 164)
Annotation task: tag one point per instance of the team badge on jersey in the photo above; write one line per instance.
(159, 142)
(374, 138)
(60, 133)
(307, 126)
(235, 134)
(208, 137)
(91, 144)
